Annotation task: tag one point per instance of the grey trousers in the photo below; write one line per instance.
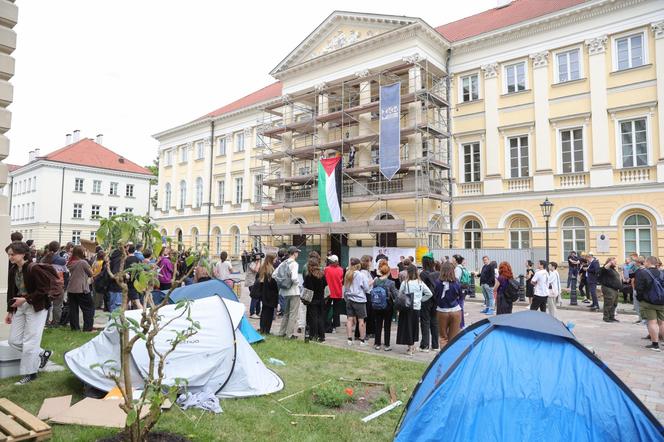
(56, 310)
(291, 313)
(25, 336)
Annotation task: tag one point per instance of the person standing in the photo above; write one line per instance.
(408, 322)
(573, 264)
(138, 252)
(59, 263)
(554, 289)
(268, 291)
(611, 283)
(223, 269)
(627, 290)
(592, 274)
(27, 309)
(530, 288)
(504, 303)
(291, 294)
(249, 279)
(541, 283)
(583, 279)
(165, 266)
(428, 317)
(355, 289)
(365, 267)
(315, 281)
(334, 275)
(383, 318)
(464, 278)
(447, 296)
(652, 313)
(487, 282)
(78, 291)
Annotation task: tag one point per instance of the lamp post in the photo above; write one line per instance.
(546, 207)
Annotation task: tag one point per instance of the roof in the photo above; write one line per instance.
(87, 152)
(264, 94)
(12, 167)
(503, 16)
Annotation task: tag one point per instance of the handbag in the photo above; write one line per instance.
(404, 301)
(306, 296)
(254, 293)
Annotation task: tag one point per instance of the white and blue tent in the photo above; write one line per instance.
(523, 377)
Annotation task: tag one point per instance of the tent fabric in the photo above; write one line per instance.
(523, 377)
(217, 359)
(211, 288)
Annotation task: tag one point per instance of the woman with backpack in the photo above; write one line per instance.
(267, 290)
(78, 291)
(448, 298)
(504, 303)
(315, 281)
(355, 289)
(408, 323)
(383, 294)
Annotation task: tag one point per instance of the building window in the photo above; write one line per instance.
(112, 211)
(221, 192)
(113, 189)
(29, 184)
(198, 199)
(167, 196)
(34, 184)
(129, 210)
(184, 154)
(96, 212)
(217, 240)
(634, 143)
(129, 190)
(574, 235)
(32, 211)
(194, 237)
(78, 185)
(239, 189)
(235, 235)
(568, 66)
(221, 146)
(200, 150)
(76, 237)
(96, 186)
(471, 162)
(78, 211)
(183, 195)
(169, 157)
(470, 87)
(519, 157)
(630, 52)
(519, 234)
(472, 235)
(239, 142)
(258, 188)
(93, 236)
(515, 77)
(571, 146)
(638, 235)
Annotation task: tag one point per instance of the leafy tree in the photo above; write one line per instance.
(154, 168)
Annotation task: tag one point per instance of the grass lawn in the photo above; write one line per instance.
(258, 418)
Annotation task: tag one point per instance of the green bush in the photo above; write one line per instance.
(331, 395)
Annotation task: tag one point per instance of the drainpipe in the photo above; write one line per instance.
(149, 196)
(449, 146)
(209, 204)
(11, 194)
(62, 197)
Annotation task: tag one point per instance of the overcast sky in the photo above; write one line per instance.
(129, 69)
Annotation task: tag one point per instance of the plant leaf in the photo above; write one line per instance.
(131, 417)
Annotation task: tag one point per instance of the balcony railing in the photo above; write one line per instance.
(519, 184)
(636, 175)
(466, 189)
(573, 180)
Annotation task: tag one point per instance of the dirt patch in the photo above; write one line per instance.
(366, 398)
(156, 436)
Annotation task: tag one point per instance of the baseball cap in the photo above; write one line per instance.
(428, 255)
(293, 249)
(333, 258)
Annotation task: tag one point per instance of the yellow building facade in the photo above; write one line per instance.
(563, 105)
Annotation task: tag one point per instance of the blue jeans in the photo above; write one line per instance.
(487, 291)
(255, 307)
(282, 303)
(115, 301)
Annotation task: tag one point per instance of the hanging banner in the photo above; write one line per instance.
(329, 190)
(390, 130)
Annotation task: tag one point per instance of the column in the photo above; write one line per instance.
(543, 177)
(363, 151)
(414, 111)
(658, 30)
(493, 180)
(601, 173)
(191, 184)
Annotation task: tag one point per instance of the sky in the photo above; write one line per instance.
(131, 68)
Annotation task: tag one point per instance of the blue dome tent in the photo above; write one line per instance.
(215, 287)
(523, 377)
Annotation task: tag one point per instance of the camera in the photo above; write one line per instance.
(257, 255)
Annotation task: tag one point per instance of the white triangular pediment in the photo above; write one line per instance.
(340, 30)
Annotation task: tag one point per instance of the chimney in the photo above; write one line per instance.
(100, 138)
(77, 136)
(31, 156)
(68, 140)
(37, 153)
(121, 160)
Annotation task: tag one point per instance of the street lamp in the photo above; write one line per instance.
(546, 207)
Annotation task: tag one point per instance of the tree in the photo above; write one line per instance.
(154, 168)
(115, 232)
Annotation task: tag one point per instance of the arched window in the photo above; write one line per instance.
(183, 195)
(299, 240)
(519, 234)
(472, 235)
(167, 196)
(637, 234)
(178, 235)
(386, 239)
(216, 233)
(194, 237)
(235, 237)
(198, 200)
(574, 235)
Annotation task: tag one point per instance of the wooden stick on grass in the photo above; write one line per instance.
(302, 391)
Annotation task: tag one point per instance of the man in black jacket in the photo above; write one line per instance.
(611, 284)
(652, 313)
(592, 274)
(487, 281)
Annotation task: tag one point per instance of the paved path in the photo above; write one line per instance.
(619, 345)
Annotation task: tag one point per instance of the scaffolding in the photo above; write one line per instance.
(341, 118)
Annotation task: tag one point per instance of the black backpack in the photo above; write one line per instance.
(102, 281)
(512, 290)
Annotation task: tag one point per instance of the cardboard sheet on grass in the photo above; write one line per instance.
(95, 413)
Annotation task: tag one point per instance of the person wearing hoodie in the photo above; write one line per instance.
(78, 292)
(448, 295)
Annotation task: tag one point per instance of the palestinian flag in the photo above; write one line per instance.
(329, 189)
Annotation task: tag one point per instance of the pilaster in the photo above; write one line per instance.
(492, 179)
(543, 177)
(414, 111)
(658, 30)
(363, 154)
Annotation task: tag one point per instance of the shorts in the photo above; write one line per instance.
(356, 309)
(651, 312)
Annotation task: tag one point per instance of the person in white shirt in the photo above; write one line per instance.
(223, 269)
(291, 295)
(554, 289)
(541, 283)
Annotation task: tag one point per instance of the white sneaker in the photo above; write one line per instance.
(349, 342)
(424, 350)
(363, 343)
